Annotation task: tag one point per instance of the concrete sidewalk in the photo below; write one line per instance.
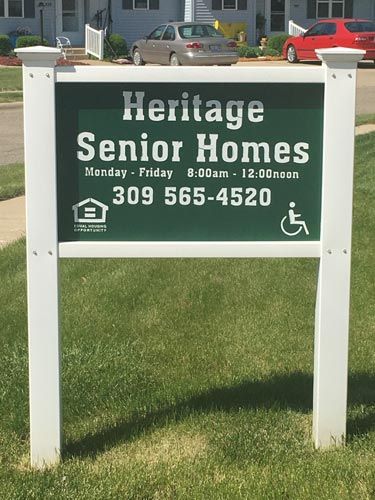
(12, 220)
(12, 212)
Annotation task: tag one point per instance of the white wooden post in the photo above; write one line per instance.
(332, 309)
(42, 253)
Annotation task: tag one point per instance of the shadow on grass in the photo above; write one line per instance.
(284, 392)
(361, 394)
(289, 391)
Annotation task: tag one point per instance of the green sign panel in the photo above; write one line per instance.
(189, 162)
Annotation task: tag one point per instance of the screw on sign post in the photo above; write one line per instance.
(332, 308)
(42, 254)
(122, 176)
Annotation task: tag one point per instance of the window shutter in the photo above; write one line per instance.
(348, 8)
(127, 4)
(242, 4)
(311, 9)
(29, 8)
(154, 4)
(216, 4)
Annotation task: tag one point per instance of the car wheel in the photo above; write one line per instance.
(173, 60)
(137, 58)
(291, 54)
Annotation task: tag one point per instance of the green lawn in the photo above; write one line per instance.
(12, 181)
(10, 84)
(10, 79)
(11, 97)
(365, 119)
(193, 378)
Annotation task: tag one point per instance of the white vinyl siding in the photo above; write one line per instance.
(136, 23)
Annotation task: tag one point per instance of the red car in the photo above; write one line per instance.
(351, 33)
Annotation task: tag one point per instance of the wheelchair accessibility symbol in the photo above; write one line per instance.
(290, 225)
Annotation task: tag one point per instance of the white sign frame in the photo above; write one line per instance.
(338, 73)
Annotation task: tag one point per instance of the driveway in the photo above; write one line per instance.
(11, 123)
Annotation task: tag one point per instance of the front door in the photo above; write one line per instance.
(70, 20)
(277, 15)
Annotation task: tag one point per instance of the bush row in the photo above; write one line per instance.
(22, 41)
(274, 48)
(5, 45)
(254, 52)
(115, 48)
(276, 42)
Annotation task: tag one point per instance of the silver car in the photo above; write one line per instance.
(185, 44)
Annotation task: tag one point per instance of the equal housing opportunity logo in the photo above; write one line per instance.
(90, 216)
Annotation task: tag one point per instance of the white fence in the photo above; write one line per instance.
(295, 29)
(94, 42)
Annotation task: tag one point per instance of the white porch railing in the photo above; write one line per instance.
(94, 42)
(295, 29)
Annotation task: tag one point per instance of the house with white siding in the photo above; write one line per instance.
(136, 18)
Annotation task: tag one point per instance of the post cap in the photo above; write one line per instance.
(38, 55)
(340, 54)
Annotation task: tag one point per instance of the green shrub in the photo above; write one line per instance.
(248, 52)
(117, 47)
(267, 51)
(29, 41)
(276, 42)
(5, 45)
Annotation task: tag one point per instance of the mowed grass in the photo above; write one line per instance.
(11, 84)
(10, 79)
(193, 378)
(11, 97)
(365, 119)
(12, 181)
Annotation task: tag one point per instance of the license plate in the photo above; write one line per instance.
(215, 48)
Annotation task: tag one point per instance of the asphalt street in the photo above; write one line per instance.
(11, 123)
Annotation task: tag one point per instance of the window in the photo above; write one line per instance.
(322, 29)
(141, 4)
(169, 34)
(277, 15)
(330, 8)
(229, 4)
(156, 34)
(360, 26)
(11, 8)
(198, 31)
(70, 21)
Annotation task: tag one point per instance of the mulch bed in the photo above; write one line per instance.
(15, 61)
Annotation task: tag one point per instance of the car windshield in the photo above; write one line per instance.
(199, 31)
(360, 26)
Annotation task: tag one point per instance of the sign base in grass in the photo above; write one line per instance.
(195, 216)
